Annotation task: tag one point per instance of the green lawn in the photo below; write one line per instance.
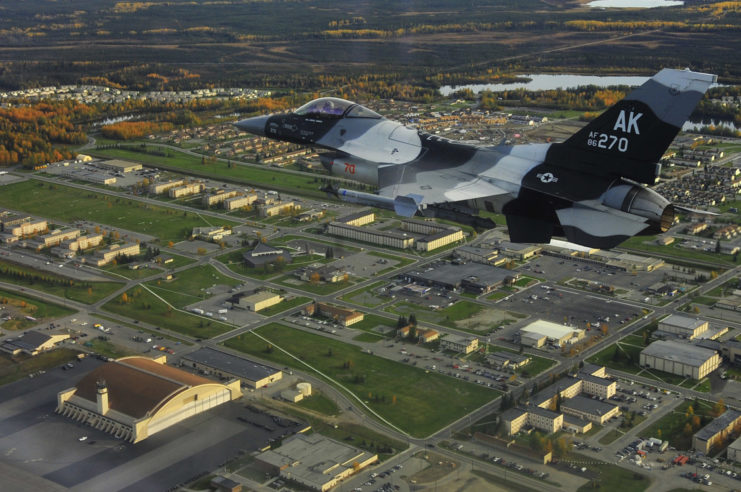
(319, 403)
(647, 244)
(364, 296)
(368, 337)
(321, 288)
(268, 177)
(191, 285)
(444, 317)
(610, 436)
(144, 306)
(672, 426)
(15, 368)
(42, 311)
(70, 204)
(417, 402)
(371, 321)
(55, 284)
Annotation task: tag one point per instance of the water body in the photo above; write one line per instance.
(543, 82)
(689, 126)
(640, 4)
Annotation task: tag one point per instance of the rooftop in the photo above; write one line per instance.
(682, 322)
(587, 405)
(718, 424)
(680, 352)
(238, 366)
(549, 329)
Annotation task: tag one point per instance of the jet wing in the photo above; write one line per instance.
(434, 186)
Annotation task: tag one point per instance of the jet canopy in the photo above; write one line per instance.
(334, 107)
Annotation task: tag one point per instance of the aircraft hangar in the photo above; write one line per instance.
(135, 397)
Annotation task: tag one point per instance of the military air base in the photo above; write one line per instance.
(454, 257)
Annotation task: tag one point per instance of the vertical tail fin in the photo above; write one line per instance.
(629, 138)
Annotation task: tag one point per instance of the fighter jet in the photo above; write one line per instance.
(590, 189)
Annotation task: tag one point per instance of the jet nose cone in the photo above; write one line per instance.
(254, 125)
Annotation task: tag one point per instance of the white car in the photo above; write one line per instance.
(83, 438)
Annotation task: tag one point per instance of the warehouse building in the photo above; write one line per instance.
(683, 326)
(472, 277)
(136, 397)
(226, 365)
(314, 461)
(120, 166)
(258, 301)
(680, 358)
(33, 342)
(264, 255)
(589, 409)
(713, 434)
(487, 256)
(537, 333)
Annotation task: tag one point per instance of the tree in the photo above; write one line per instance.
(413, 319)
(401, 322)
(314, 278)
(124, 298)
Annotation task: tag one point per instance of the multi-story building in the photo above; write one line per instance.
(345, 317)
(358, 219)
(185, 190)
(218, 197)
(720, 429)
(458, 343)
(158, 188)
(108, 255)
(278, 208)
(238, 202)
(383, 238)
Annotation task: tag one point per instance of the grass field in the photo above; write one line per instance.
(70, 205)
(15, 368)
(262, 177)
(417, 402)
(57, 285)
(611, 477)
(144, 306)
(319, 403)
(191, 285)
(30, 306)
(673, 425)
(444, 317)
(364, 296)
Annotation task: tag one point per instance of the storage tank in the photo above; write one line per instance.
(304, 388)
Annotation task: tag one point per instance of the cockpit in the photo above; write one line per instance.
(334, 107)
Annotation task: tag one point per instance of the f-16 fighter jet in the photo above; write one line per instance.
(590, 189)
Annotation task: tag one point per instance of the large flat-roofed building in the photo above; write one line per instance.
(589, 409)
(507, 360)
(264, 254)
(108, 255)
(211, 233)
(136, 397)
(223, 364)
(457, 343)
(597, 386)
(683, 326)
(487, 256)
(546, 420)
(119, 165)
(567, 387)
(162, 187)
(358, 219)
(384, 238)
(680, 358)
(33, 342)
(259, 301)
(277, 209)
(554, 333)
(436, 235)
(185, 190)
(218, 197)
(628, 262)
(733, 452)
(472, 277)
(715, 432)
(345, 317)
(238, 202)
(315, 461)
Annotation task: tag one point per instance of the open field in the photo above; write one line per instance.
(143, 306)
(14, 368)
(68, 204)
(417, 402)
(191, 285)
(23, 305)
(54, 284)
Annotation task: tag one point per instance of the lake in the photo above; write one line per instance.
(625, 4)
(542, 82)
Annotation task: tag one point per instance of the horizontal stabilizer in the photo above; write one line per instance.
(597, 228)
